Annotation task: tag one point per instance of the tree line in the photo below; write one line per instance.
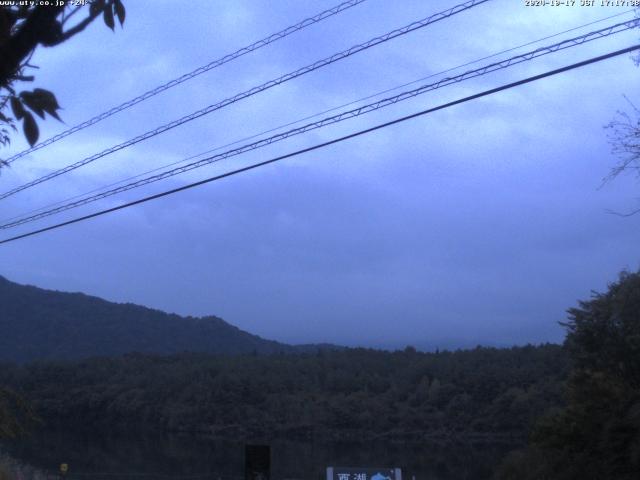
(345, 394)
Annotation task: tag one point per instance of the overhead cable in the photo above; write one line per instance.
(309, 117)
(253, 91)
(188, 76)
(334, 119)
(330, 142)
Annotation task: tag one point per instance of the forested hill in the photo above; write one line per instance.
(343, 394)
(44, 324)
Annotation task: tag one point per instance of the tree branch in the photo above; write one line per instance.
(40, 21)
(620, 214)
(66, 17)
(79, 27)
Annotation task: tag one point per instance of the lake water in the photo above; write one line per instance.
(147, 456)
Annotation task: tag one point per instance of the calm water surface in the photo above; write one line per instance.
(142, 456)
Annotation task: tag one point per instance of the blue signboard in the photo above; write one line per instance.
(365, 473)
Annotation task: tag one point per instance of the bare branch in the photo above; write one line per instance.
(624, 138)
(619, 214)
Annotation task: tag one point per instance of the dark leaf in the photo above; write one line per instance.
(47, 97)
(41, 101)
(32, 100)
(48, 102)
(108, 17)
(55, 115)
(17, 108)
(120, 11)
(96, 7)
(4, 118)
(30, 128)
(11, 124)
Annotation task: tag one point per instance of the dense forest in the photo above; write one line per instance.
(574, 410)
(353, 393)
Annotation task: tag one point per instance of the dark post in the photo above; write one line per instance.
(257, 463)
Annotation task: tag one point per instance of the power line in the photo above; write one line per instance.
(253, 91)
(617, 28)
(333, 109)
(454, 68)
(331, 142)
(188, 76)
(337, 118)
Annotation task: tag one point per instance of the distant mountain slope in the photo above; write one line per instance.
(45, 324)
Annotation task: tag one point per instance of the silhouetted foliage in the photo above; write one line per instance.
(598, 434)
(352, 393)
(16, 415)
(23, 27)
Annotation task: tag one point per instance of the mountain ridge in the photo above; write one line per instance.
(42, 324)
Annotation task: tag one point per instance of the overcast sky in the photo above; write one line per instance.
(481, 223)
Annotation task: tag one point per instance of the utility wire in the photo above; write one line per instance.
(253, 91)
(309, 117)
(620, 27)
(331, 142)
(188, 76)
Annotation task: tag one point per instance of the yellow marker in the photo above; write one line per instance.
(64, 468)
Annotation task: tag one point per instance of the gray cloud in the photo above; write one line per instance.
(478, 224)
